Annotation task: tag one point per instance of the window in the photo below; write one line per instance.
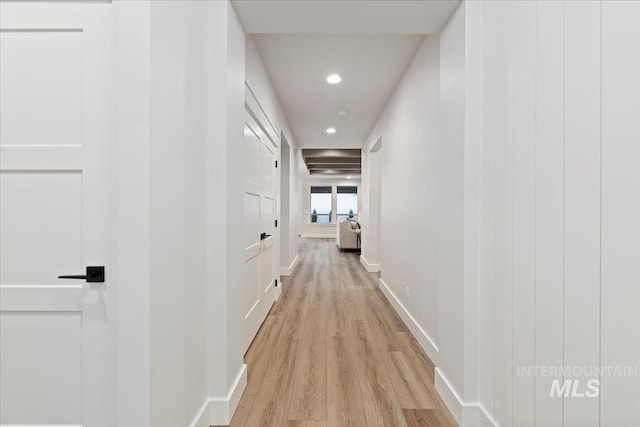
(347, 202)
(321, 204)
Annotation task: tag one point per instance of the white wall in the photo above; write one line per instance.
(559, 228)
(421, 166)
(130, 241)
(186, 281)
(526, 248)
(528, 233)
(314, 230)
(411, 159)
(369, 216)
(169, 295)
(450, 201)
(285, 205)
(178, 145)
(198, 51)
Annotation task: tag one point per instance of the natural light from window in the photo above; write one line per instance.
(320, 205)
(347, 202)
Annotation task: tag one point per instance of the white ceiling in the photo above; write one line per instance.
(368, 42)
(345, 16)
(370, 66)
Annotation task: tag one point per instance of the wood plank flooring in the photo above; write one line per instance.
(333, 353)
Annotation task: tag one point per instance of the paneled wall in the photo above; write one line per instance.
(559, 275)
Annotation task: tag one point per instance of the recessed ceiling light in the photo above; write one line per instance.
(342, 111)
(334, 79)
(331, 130)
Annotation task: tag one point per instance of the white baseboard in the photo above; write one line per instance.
(423, 338)
(466, 414)
(288, 271)
(220, 410)
(202, 417)
(371, 268)
(449, 396)
(318, 236)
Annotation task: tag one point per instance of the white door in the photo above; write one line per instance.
(55, 111)
(259, 225)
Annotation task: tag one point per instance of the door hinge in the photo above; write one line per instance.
(276, 283)
(276, 163)
(276, 223)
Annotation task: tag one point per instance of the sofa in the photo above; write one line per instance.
(348, 235)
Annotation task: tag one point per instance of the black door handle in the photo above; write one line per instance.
(93, 275)
(264, 236)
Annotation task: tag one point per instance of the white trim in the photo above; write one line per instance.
(40, 425)
(288, 271)
(130, 240)
(423, 338)
(200, 420)
(255, 109)
(371, 268)
(465, 413)
(449, 396)
(236, 392)
(47, 287)
(220, 410)
(318, 236)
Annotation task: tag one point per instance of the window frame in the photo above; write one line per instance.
(338, 192)
(333, 220)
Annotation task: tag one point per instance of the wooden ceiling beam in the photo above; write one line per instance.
(333, 160)
(334, 166)
(338, 152)
(335, 172)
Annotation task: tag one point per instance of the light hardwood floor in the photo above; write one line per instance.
(332, 352)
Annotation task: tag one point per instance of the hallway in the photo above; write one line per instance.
(332, 352)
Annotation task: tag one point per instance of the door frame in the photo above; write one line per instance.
(130, 248)
(284, 224)
(253, 107)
